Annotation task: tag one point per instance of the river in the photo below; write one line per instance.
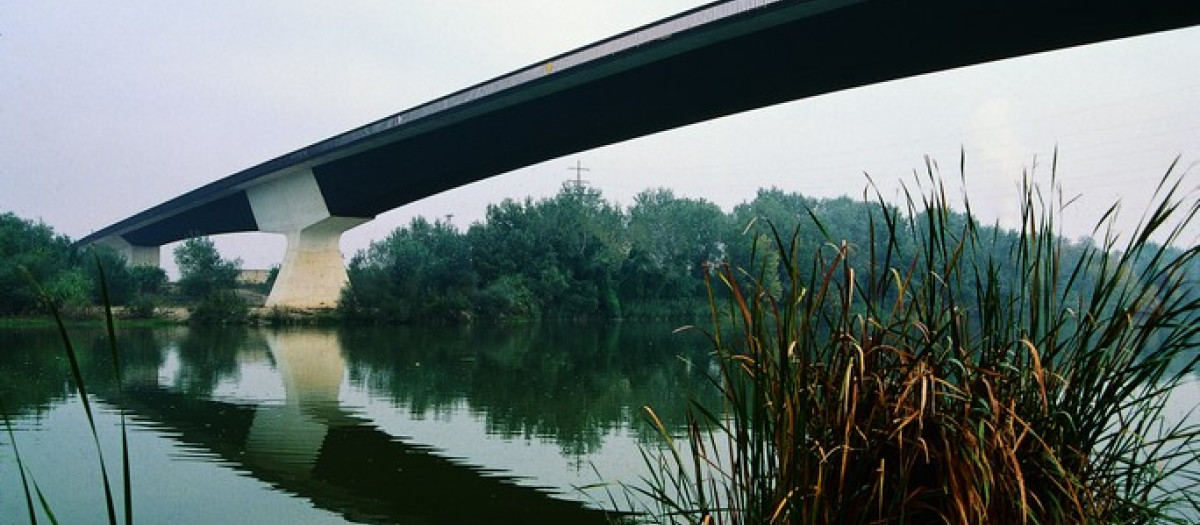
(524, 424)
(399, 425)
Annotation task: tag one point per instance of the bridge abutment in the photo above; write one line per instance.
(312, 274)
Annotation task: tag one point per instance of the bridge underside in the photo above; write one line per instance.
(778, 53)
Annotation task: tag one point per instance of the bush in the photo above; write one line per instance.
(507, 298)
(202, 270)
(220, 307)
(31, 250)
(863, 392)
(141, 307)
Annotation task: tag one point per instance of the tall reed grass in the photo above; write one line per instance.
(28, 482)
(973, 382)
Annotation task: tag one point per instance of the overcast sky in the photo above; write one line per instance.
(107, 108)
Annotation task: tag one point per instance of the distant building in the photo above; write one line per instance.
(253, 277)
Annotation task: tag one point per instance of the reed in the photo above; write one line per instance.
(28, 483)
(970, 381)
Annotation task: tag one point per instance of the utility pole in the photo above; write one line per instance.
(578, 169)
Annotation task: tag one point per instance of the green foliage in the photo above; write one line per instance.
(32, 250)
(672, 240)
(507, 298)
(576, 256)
(118, 275)
(220, 307)
(148, 280)
(565, 250)
(69, 290)
(972, 379)
(142, 307)
(202, 270)
(210, 282)
(418, 273)
(573, 256)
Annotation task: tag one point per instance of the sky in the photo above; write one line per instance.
(108, 108)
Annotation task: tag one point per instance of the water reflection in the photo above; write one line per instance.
(309, 445)
(274, 405)
(369, 424)
(566, 383)
(31, 377)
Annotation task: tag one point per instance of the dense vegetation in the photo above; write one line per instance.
(578, 256)
(571, 256)
(209, 282)
(40, 269)
(983, 377)
(574, 255)
(30, 252)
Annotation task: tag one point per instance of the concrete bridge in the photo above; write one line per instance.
(719, 59)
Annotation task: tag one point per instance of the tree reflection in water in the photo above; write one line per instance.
(569, 385)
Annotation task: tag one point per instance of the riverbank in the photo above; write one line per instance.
(179, 315)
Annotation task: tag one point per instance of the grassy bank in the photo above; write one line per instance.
(49, 322)
(860, 387)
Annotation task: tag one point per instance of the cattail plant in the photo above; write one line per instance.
(943, 372)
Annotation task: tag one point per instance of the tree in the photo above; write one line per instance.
(671, 241)
(586, 234)
(118, 277)
(563, 253)
(32, 249)
(421, 272)
(148, 280)
(210, 281)
(202, 270)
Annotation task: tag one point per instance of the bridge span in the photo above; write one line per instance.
(719, 59)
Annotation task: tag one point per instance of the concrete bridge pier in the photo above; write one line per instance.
(312, 274)
(134, 255)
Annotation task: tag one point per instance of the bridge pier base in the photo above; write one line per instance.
(312, 274)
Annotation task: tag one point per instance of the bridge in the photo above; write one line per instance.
(719, 59)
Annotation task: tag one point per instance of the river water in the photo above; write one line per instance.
(527, 424)
(496, 425)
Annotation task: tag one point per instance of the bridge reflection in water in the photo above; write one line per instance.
(310, 446)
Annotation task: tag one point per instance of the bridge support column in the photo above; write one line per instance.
(134, 255)
(312, 274)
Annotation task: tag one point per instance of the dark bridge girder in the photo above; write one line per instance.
(782, 51)
(852, 46)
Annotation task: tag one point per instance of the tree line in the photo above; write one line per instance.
(40, 269)
(578, 256)
(571, 256)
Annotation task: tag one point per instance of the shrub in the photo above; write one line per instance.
(220, 307)
(141, 307)
(867, 390)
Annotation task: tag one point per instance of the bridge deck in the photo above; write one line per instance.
(719, 59)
